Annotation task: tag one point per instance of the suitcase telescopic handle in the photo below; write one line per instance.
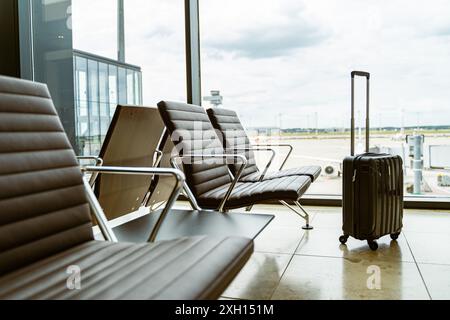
(360, 74)
(367, 76)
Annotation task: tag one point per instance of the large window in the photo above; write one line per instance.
(154, 36)
(285, 65)
(153, 70)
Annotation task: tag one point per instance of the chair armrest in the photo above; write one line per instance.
(263, 149)
(98, 162)
(283, 145)
(100, 215)
(223, 156)
(158, 158)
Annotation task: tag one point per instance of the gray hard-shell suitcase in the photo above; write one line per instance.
(372, 188)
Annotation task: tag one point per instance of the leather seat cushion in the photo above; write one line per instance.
(187, 268)
(313, 172)
(289, 188)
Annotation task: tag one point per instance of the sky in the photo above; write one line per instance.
(288, 62)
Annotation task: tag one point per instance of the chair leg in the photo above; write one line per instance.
(302, 213)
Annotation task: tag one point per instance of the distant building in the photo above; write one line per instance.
(264, 131)
(100, 85)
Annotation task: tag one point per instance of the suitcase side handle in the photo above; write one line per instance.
(360, 74)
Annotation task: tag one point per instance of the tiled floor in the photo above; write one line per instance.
(290, 263)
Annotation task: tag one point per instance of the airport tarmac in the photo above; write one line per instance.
(330, 151)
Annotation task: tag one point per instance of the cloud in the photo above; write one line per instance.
(270, 42)
(443, 32)
(160, 32)
(268, 39)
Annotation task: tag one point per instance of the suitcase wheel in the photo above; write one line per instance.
(373, 245)
(394, 236)
(343, 239)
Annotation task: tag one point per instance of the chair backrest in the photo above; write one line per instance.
(192, 133)
(233, 136)
(131, 141)
(43, 205)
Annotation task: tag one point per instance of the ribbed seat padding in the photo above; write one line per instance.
(187, 268)
(45, 223)
(233, 136)
(43, 209)
(192, 133)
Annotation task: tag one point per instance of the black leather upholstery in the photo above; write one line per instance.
(43, 209)
(187, 268)
(234, 137)
(192, 133)
(45, 223)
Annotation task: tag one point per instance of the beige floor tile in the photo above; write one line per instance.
(328, 219)
(430, 247)
(437, 280)
(325, 242)
(426, 221)
(276, 239)
(338, 279)
(259, 278)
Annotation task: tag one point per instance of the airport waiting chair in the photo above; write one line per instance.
(46, 237)
(205, 163)
(134, 139)
(235, 138)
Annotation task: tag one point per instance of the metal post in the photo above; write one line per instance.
(193, 69)
(417, 164)
(120, 31)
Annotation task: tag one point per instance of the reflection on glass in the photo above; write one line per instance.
(47, 55)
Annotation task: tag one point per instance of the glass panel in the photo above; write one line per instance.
(130, 87)
(137, 94)
(103, 86)
(81, 103)
(51, 58)
(285, 68)
(158, 47)
(113, 100)
(122, 86)
(93, 98)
